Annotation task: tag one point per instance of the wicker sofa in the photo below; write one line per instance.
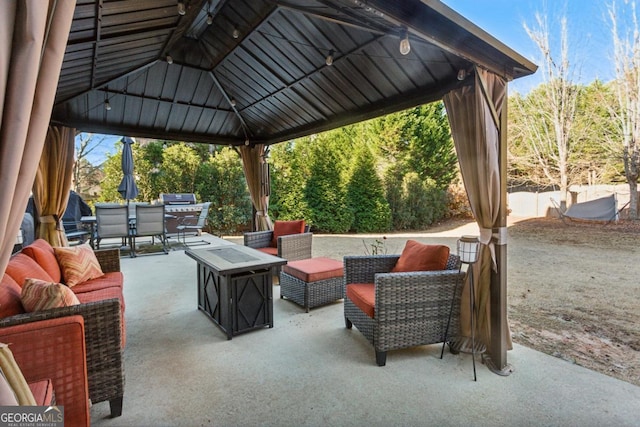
(411, 309)
(101, 307)
(53, 352)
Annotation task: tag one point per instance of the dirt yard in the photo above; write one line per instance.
(574, 293)
(573, 289)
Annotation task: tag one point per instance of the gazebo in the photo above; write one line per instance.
(250, 74)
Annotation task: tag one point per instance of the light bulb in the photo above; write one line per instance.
(107, 106)
(405, 47)
(235, 33)
(232, 102)
(246, 142)
(169, 60)
(329, 60)
(462, 74)
(209, 19)
(181, 8)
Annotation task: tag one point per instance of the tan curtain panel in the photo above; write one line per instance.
(33, 38)
(253, 163)
(52, 184)
(474, 113)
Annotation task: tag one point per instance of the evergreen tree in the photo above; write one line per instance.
(365, 195)
(323, 193)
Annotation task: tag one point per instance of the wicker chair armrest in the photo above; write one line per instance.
(103, 338)
(54, 349)
(109, 259)
(258, 239)
(363, 268)
(417, 294)
(295, 246)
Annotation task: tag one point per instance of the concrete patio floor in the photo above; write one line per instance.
(310, 370)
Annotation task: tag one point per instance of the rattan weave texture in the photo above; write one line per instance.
(411, 309)
(290, 247)
(102, 324)
(311, 294)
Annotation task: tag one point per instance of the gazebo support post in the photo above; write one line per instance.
(497, 358)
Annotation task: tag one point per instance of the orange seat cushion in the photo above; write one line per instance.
(42, 392)
(21, 267)
(284, 228)
(363, 295)
(42, 252)
(114, 279)
(269, 250)
(417, 256)
(314, 269)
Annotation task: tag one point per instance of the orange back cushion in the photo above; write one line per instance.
(417, 256)
(42, 252)
(21, 266)
(10, 303)
(283, 228)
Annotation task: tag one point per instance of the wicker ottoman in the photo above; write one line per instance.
(312, 282)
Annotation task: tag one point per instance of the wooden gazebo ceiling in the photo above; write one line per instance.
(258, 71)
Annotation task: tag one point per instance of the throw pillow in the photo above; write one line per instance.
(41, 295)
(78, 264)
(284, 228)
(417, 256)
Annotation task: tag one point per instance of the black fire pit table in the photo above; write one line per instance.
(235, 286)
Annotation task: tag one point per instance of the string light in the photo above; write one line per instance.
(329, 59)
(209, 19)
(107, 105)
(235, 33)
(169, 60)
(181, 9)
(405, 47)
(462, 74)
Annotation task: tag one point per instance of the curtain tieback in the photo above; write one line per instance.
(51, 219)
(486, 235)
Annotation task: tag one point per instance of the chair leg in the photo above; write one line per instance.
(116, 406)
(348, 323)
(381, 358)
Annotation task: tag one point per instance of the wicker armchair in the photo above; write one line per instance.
(290, 247)
(103, 338)
(411, 309)
(53, 349)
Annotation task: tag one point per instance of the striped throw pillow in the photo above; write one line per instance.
(78, 264)
(42, 295)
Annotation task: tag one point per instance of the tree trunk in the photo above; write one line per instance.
(633, 199)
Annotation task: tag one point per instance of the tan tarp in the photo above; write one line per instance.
(33, 38)
(253, 163)
(53, 183)
(474, 114)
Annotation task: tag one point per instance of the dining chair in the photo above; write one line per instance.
(113, 222)
(194, 224)
(150, 222)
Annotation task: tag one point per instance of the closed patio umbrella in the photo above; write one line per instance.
(127, 188)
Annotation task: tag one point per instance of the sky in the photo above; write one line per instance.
(588, 28)
(589, 38)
